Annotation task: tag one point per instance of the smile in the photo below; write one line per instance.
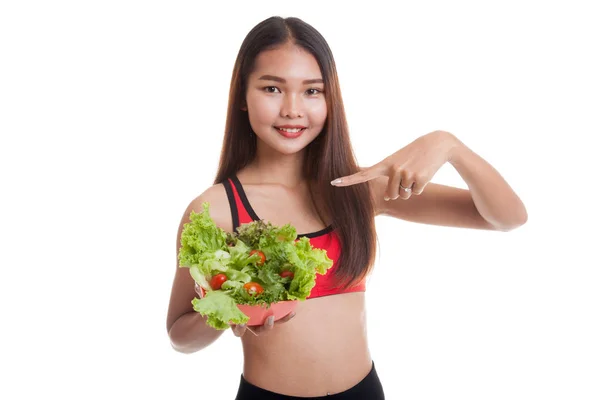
(290, 133)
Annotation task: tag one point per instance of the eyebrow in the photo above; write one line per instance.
(281, 80)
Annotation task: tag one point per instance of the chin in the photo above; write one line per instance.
(288, 146)
(288, 149)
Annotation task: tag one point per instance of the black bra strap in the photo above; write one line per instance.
(232, 204)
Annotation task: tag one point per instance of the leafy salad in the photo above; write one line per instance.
(259, 264)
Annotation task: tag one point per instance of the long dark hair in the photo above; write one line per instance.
(350, 209)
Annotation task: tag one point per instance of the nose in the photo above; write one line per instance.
(292, 107)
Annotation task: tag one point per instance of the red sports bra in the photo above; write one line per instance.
(326, 239)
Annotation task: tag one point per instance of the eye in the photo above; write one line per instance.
(268, 89)
(315, 91)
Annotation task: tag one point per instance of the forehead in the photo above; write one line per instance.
(289, 62)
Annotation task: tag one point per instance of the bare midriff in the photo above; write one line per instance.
(322, 350)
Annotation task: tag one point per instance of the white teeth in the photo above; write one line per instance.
(295, 130)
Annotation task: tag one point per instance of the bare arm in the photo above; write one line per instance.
(490, 203)
(187, 329)
(495, 200)
(188, 332)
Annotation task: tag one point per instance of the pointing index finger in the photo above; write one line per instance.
(363, 176)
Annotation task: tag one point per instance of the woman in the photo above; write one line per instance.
(287, 158)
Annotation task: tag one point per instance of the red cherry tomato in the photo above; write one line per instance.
(253, 288)
(261, 255)
(286, 274)
(217, 281)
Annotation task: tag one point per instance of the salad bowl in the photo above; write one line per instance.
(258, 314)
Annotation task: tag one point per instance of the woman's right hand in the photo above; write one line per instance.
(240, 330)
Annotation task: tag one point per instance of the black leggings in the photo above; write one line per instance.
(368, 389)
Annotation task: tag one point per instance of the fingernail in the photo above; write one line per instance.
(386, 198)
(336, 181)
(292, 315)
(270, 320)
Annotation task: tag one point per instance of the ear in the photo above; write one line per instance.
(244, 106)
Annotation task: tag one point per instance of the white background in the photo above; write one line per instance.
(111, 119)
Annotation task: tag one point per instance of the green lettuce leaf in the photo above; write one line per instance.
(220, 310)
(199, 236)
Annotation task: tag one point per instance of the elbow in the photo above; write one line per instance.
(182, 349)
(179, 344)
(189, 333)
(512, 222)
(176, 342)
(521, 217)
(521, 220)
(507, 227)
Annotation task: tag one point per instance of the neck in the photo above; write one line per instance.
(276, 168)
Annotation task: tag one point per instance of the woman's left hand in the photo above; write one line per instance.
(409, 169)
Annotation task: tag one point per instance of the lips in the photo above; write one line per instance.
(290, 131)
(291, 126)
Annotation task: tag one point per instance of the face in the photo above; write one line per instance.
(286, 89)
